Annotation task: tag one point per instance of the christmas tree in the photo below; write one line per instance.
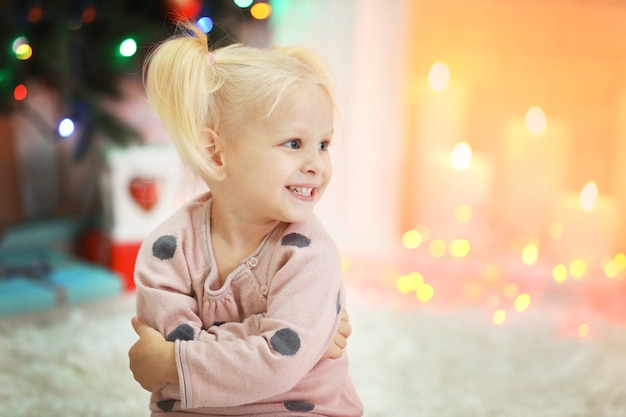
(79, 49)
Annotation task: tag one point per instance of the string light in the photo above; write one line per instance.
(261, 11)
(20, 92)
(66, 127)
(128, 47)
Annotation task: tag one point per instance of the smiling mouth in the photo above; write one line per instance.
(301, 191)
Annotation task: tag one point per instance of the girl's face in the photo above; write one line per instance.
(278, 168)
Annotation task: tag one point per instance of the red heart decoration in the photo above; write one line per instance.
(144, 191)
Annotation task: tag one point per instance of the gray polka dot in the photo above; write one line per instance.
(296, 239)
(298, 406)
(164, 247)
(286, 342)
(166, 405)
(182, 332)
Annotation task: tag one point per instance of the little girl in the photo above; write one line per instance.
(243, 285)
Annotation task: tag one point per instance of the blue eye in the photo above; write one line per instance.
(293, 144)
(324, 145)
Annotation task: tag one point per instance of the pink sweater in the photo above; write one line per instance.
(253, 346)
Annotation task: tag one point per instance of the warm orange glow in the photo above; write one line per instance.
(461, 156)
(439, 76)
(261, 11)
(556, 230)
(510, 290)
(536, 121)
(589, 196)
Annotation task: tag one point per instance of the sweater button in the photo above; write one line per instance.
(264, 290)
(252, 262)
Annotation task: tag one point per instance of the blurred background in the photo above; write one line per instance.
(479, 164)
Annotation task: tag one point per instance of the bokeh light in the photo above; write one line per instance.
(243, 3)
(439, 76)
(205, 24)
(128, 47)
(66, 127)
(461, 156)
(536, 121)
(412, 239)
(437, 248)
(20, 92)
(261, 11)
(522, 302)
(588, 196)
(559, 273)
(459, 248)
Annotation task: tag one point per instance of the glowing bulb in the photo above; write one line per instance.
(559, 273)
(578, 268)
(409, 282)
(588, 196)
(536, 121)
(530, 253)
(498, 317)
(522, 302)
(437, 248)
(128, 47)
(424, 293)
(261, 11)
(66, 127)
(23, 52)
(20, 92)
(243, 3)
(412, 239)
(459, 248)
(439, 76)
(206, 24)
(461, 156)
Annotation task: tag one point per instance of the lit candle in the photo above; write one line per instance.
(588, 226)
(454, 194)
(533, 169)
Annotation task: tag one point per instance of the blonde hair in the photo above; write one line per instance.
(194, 89)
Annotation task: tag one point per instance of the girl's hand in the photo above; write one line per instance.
(335, 350)
(152, 358)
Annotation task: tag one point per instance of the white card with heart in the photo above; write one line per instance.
(141, 186)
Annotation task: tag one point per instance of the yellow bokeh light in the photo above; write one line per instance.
(588, 196)
(498, 317)
(425, 293)
(530, 253)
(439, 76)
(437, 248)
(578, 268)
(463, 213)
(23, 52)
(459, 248)
(559, 273)
(261, 11)
(556, 230)
(583, 330)
(522, 302)
(620, 261)
(536, 121)
(461, 156)
(611, 270)
(409, 282)
(412, 239)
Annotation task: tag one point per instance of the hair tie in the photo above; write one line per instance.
(212, 57)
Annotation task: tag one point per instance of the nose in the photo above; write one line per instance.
(314, 163)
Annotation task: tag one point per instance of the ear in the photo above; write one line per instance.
(214, 146)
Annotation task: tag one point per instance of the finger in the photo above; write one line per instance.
(139, 325)
(344, 315)
(344, 329)
(334, 352)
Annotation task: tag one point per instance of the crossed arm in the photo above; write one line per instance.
(152, 359)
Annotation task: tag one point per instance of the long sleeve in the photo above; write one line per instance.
(303, 312)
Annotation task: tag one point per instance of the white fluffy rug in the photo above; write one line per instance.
(414, 362)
